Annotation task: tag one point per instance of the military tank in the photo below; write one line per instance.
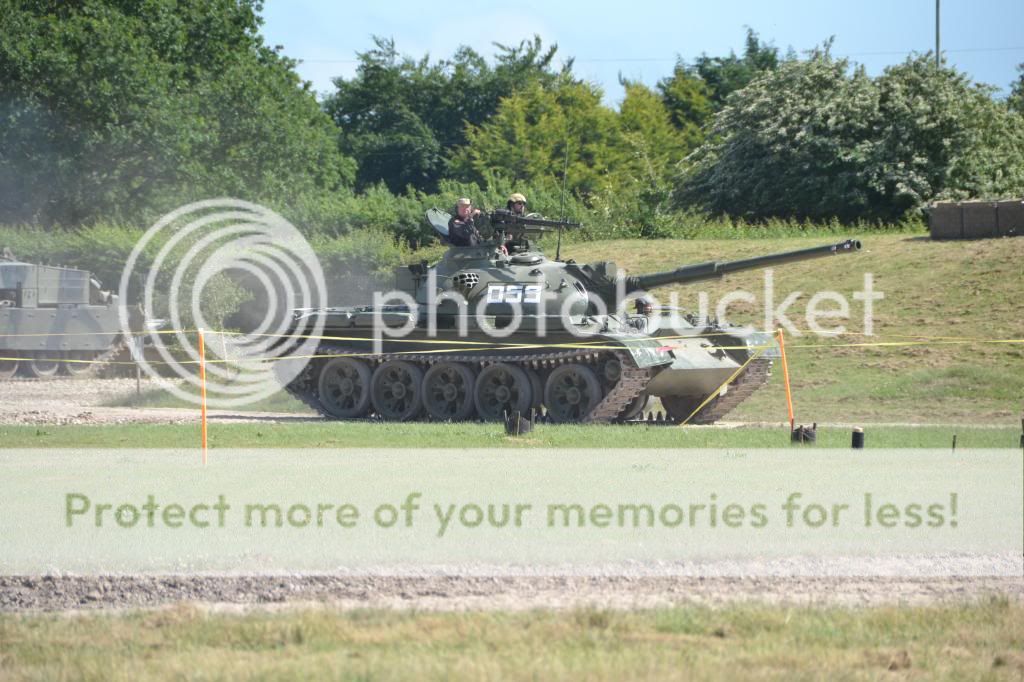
(499, 328)
(53, 318)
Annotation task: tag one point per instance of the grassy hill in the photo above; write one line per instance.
(965, 290)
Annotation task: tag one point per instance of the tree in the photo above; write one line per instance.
(526, 139)
(791, 144)
(1016, 99)
(640, 187)
(941, 136)
(400, 117)
(813, 140)
(725, 75)
(123, 107)
(688, 100)
(694, 92)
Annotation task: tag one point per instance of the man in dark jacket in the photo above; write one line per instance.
(462, 229)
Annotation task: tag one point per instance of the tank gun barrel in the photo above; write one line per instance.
(717, 269)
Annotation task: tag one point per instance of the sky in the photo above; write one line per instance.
(641, 40)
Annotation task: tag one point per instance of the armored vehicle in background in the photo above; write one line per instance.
(54, 318)
(499, 328)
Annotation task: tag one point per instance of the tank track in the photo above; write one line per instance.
(104, 359)
(754, 377)
(631, 383)
(97, 368)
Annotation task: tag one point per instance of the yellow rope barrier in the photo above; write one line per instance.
(482, 346)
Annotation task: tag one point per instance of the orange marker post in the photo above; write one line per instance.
(202, 393)
(785, 379)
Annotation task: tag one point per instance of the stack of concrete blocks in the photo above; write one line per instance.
(976, 219)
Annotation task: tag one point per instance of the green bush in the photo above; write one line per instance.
(812, 140)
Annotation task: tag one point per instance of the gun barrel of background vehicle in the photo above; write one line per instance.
(716, 269)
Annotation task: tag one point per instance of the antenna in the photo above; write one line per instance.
(565, 172)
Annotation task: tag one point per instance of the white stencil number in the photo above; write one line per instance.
(513, 293)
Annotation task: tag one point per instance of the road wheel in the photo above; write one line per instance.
(501, 389)
(344, 388)
(8, 368)
(395, 390)
(43, 364)
(75, 369)
(448, 391)
(679, 407)
(610, 371)
(638, 405)
(571, 392)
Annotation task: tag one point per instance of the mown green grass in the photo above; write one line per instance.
(315, 434)
(979, 641)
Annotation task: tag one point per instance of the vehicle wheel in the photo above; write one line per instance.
(634, 408)
(679, 407)
(8, 368)
(502, 389)
(344, 388)
(611, 371)
(448, 391)
(536, 387)
(395, 390)
(76, 369)
(43, 364)
(572, 391)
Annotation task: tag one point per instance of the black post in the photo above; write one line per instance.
(561, 210)
(858, 438)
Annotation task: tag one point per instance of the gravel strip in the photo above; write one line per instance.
(72, 401)
(460, 593)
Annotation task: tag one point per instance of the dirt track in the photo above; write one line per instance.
(83, 401)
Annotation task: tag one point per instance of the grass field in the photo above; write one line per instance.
(981, 641)
(379, 434)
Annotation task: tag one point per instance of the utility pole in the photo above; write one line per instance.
(938, 51)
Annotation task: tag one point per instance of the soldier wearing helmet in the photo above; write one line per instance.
(462, 228)
(516, 205)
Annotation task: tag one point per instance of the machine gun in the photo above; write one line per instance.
(511, 229)
(509, 221)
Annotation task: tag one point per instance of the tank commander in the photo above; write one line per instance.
(462, 228)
